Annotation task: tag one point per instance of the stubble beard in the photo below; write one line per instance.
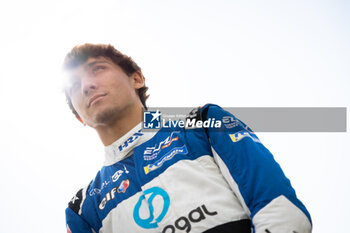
(108, 116)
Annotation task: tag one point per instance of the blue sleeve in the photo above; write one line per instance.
(75, 223)
(256, 178)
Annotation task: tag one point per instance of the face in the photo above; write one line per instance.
(101, 92)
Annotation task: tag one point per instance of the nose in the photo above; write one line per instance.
(88, 85)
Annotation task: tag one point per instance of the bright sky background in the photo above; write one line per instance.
(232, 53)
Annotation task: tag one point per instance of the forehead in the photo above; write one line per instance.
(81, 70)
(90, 62)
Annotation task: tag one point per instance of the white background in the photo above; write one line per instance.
(232, 53)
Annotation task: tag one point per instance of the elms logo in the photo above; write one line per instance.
(152, 119)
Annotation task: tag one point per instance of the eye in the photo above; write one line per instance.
(96, 69)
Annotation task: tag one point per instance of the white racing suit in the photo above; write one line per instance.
(189, 180)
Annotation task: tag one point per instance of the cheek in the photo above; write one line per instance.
(77, 104)
(123, 88)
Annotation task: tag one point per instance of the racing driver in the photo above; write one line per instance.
(171, 180)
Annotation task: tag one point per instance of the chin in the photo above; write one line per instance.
(107, 116)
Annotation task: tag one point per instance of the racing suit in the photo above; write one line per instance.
(189, 180)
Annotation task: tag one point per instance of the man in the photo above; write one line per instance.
(177, 180)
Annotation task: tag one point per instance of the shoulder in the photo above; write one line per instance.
(78, 199)
(201, 112)
(84, 194)
(222, 119)
(210, 112)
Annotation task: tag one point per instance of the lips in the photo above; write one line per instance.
(95, 98)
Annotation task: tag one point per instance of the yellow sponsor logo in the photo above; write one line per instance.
(235, 137)
(146, 169)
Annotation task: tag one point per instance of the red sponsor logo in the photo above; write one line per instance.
(123, 186)
(168, 144)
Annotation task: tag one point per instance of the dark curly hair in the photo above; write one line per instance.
(81, 53)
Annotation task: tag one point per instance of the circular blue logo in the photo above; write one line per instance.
(151, 222)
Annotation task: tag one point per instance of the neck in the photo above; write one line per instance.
(130, 118)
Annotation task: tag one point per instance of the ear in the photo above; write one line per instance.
(137, 80)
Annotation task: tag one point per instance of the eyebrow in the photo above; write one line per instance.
(91, 64)
(87, 66)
